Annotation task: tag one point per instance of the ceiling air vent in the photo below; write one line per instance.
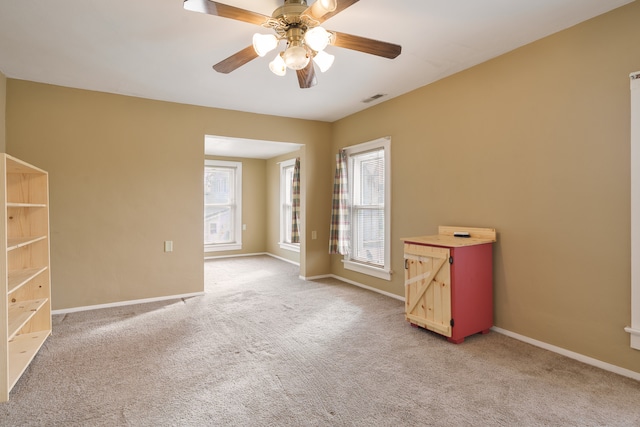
(374, 97)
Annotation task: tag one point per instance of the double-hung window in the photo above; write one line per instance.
(369, 178)
(286, 205)
(222, 205)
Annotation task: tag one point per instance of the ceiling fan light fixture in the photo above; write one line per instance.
(317, 38)
(321, 7)
(291, 22)
(323, 60)
(296, 57)
(264, 43)
(277, 66)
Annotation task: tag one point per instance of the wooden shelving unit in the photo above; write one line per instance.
(25, 279)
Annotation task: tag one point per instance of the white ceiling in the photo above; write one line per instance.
(247, 148)
(155, 49)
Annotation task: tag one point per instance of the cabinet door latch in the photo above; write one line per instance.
(451, 322)
(406, 264)
(450, 260)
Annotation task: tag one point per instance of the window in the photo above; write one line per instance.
(369, 181)
(286, 205)
(222, 205)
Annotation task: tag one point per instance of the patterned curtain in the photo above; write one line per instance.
(295, 203)
(339, 230)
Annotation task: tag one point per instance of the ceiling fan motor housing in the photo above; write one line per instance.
(290, 12)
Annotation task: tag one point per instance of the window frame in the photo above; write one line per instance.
(284, 167)
(634, 329)
(237, 231)
(349, 263)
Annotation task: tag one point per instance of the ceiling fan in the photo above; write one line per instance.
(299, 25)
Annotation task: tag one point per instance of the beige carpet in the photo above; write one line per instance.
(263, 348)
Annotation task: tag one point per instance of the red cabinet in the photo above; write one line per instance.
(449, 281)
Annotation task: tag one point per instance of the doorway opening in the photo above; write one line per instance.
(248, 200)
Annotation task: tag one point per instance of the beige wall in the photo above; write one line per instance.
(254, 201)
(315, 163)
(125, 175)
(273, 207)
(534, 143)
(3, 103)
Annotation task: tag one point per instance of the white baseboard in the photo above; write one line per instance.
(360, 285)
(570, 354)
(310, 278)
(125, 303)
(283, 259)
(234, 256)
(253, 254)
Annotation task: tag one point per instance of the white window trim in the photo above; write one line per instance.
(349, 264)
(634, 329)
(237, 245)
(294, 247)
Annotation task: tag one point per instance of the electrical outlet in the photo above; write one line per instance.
(314, 235)
(168, 245)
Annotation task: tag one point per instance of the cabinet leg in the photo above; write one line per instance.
(486, 331)
(455, 340)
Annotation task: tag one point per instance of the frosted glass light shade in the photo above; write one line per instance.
(277, 66)
(324, 60)
(296, 57)
(317, 38)
(264, 43)
(321, 7)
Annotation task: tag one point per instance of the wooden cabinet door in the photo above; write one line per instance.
(428, 287)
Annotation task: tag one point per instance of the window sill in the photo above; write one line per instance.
(380, 273)
(293, 247)
(223, 247)
(635, 337)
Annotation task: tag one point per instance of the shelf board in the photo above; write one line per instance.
(17, 278)
(21, 312)
(18, 242)
(26, 205)
(22, 349)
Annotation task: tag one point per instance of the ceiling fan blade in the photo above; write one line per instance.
(236, 60)
(342, 5)
(307, 76)
(225, 11)
(362, 44)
